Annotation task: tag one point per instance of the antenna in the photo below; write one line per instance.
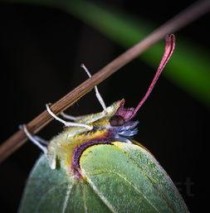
(169, 49)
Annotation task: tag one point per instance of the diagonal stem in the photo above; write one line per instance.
(187, 16)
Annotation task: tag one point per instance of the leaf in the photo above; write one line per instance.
(119, 178)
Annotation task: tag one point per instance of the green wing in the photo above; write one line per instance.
(52, 191)
(129, 179)
(119, 178)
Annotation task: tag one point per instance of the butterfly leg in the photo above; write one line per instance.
(67, 123)
(69, 117)
(41, 140)
(98, 95)
(41, 143)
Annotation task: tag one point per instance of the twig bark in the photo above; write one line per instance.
(185, 17)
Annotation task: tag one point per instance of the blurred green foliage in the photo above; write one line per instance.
(189, 66)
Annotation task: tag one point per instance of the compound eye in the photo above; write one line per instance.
(116, 120)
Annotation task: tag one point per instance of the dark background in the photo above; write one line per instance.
(41, 50)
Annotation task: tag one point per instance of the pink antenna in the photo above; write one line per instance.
(169, 49)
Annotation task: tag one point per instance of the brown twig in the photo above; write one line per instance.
(187, 16)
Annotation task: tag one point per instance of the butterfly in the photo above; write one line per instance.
(94, 165)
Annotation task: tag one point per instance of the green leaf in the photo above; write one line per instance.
(119, 178)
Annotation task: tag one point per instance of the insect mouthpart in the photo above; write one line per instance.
(127, 130)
